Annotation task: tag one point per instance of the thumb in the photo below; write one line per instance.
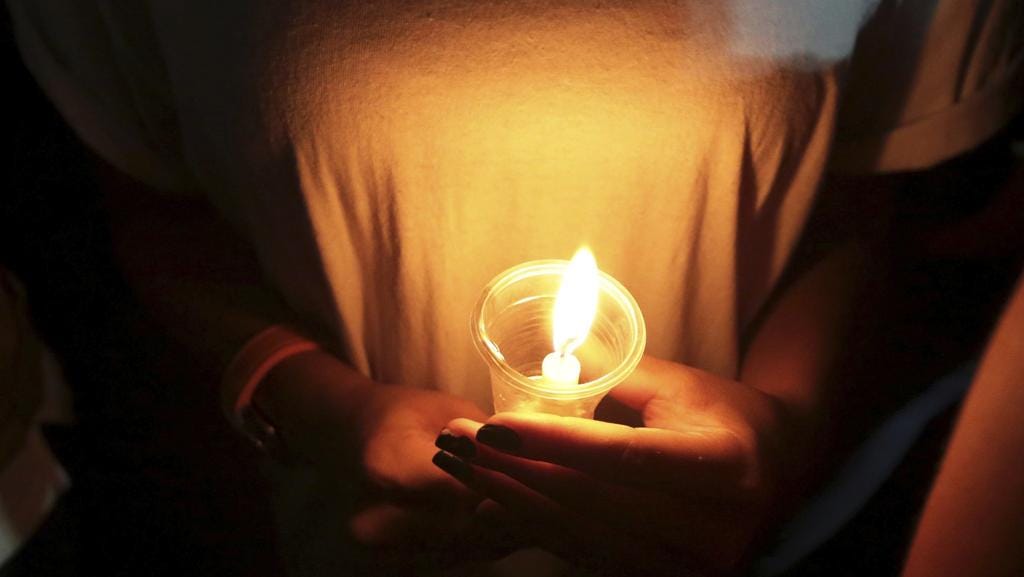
(652, 378)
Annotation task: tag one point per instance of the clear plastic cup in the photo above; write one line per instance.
(512, 326)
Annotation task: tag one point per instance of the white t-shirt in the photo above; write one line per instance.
(387, 159)
(930, 79)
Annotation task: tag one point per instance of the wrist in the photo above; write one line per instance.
(245, 373)
(315, 401)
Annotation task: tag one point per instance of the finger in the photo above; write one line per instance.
(567, 486)
(710, 528)
(698, 459)
(641, 386)
(538, 494)
(677, 516)
(683, 397)
(665, 516)
(688, 387)
(569, 534)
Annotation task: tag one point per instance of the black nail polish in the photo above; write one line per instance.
(453, 465)
(499, 437)
(459, 446)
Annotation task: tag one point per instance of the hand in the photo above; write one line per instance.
(377, 437)
(408, 496)
(690, 488)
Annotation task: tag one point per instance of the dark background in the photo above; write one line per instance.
(161, 486)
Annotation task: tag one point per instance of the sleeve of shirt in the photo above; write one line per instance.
(928, 80)
(99, 63)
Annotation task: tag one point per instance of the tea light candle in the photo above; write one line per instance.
(561, 370)
(575, 307)
(544, 311)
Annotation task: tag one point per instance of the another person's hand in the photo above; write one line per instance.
(690, 488)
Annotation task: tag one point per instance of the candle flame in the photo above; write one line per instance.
(576, 303)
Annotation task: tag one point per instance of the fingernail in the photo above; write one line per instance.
(499, 437)
(456, 445)
(453, 465)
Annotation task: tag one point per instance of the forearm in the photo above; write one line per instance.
(820, 324)
(796, 346)
(202, 285)
(792, 360)
(973, 522)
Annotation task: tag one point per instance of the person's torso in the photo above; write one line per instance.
(388, 159)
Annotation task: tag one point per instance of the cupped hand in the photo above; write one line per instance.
(690, 488)
(406, 495)
(376, 440)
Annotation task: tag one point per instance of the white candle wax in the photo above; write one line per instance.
(561, 370)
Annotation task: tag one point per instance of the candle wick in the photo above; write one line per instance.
(563, 349)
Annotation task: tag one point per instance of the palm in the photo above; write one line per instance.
(407, 494)
(691, 482)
